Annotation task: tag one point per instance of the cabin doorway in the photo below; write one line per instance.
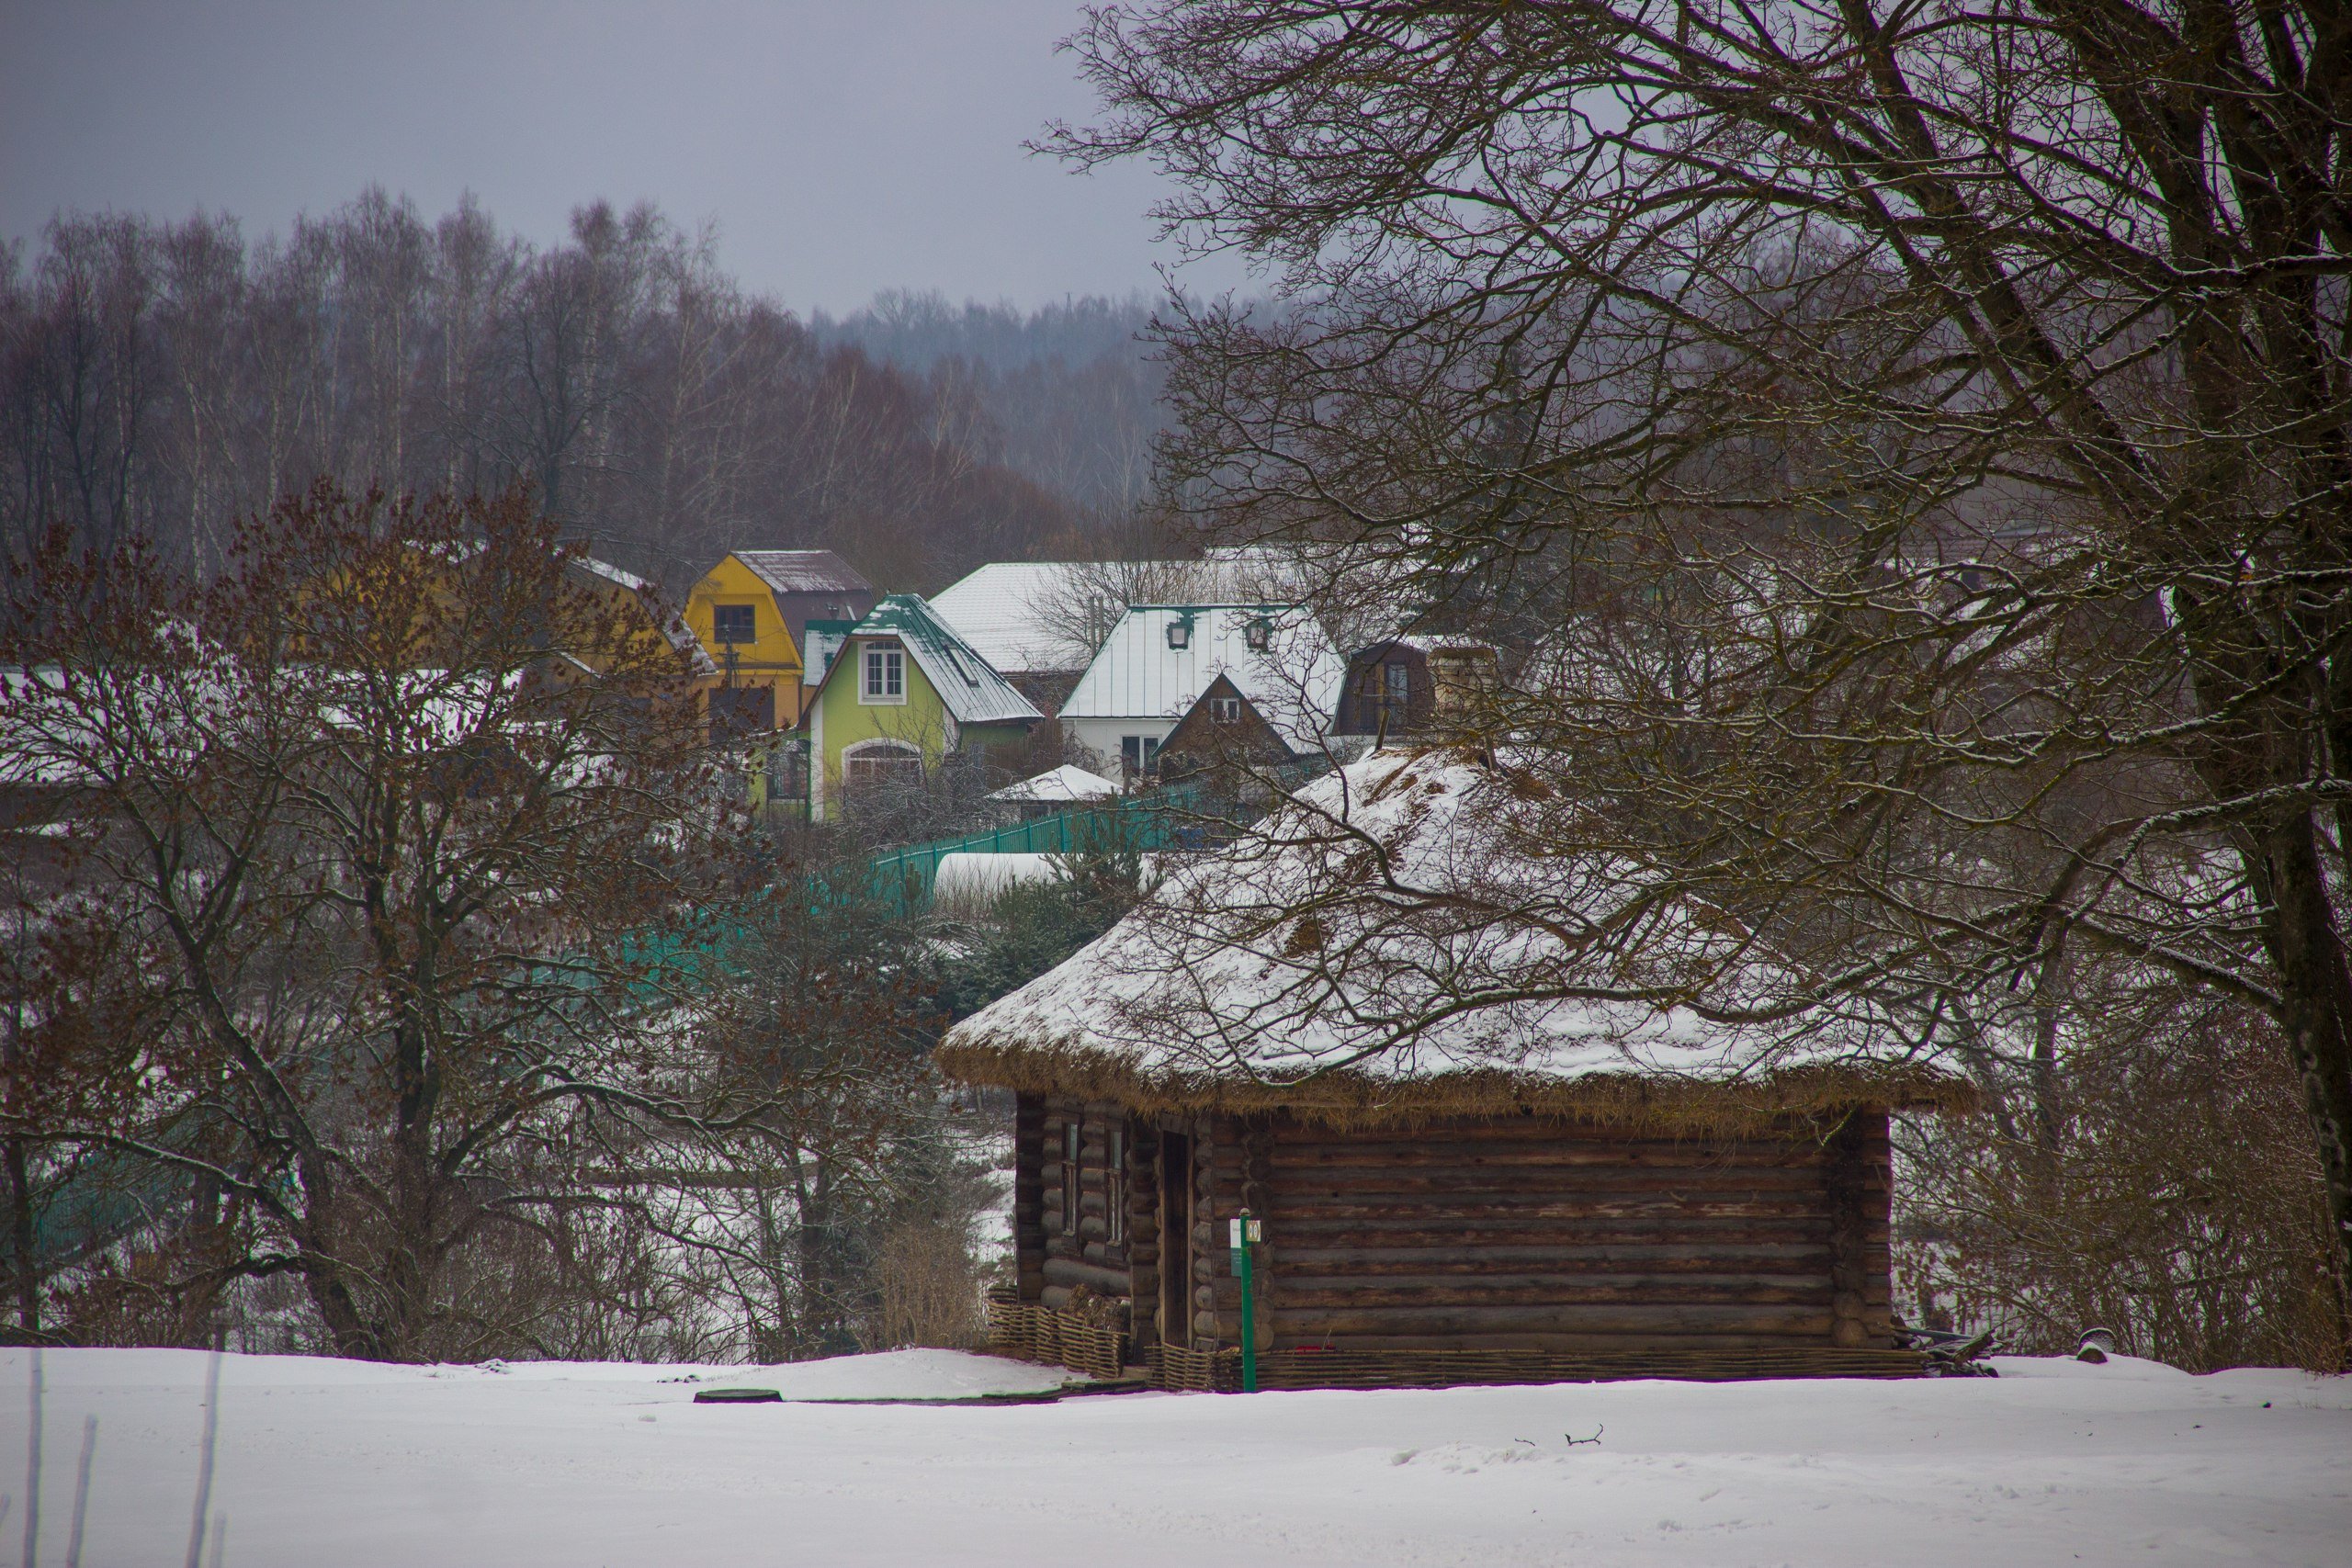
(1175, 1184)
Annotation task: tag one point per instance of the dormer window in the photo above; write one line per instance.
(1180, 633)
(885, 674)
(734, 623)
(1258, 636)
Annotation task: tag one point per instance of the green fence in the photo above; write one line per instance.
(1133, 825)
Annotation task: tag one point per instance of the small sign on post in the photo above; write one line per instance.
(1246, 1233)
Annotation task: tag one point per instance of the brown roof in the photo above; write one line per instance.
(805, 571)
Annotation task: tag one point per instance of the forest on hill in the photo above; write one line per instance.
(161, 379)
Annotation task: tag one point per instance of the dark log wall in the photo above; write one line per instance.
(1088, 1254)
(1510, 1234)
(1535, 1236)
(1860, 1182)
(1028, 1195)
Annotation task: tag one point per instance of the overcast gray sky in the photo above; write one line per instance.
(842, 145)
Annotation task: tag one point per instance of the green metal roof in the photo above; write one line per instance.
(968, 684)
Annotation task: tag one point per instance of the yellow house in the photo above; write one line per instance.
(751, 613)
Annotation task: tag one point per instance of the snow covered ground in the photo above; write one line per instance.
(345, 1463)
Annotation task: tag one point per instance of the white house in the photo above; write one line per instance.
(1160, 657)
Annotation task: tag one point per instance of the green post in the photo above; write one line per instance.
(1245, 1232)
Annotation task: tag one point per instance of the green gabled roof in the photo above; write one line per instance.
(968, 684)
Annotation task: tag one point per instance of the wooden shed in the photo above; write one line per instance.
(1565, 1190)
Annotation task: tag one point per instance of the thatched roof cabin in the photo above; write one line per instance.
(1507, 1108)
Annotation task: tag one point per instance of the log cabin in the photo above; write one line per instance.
(1587, 1185)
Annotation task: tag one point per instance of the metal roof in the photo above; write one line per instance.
(968, 684)
(1062, 784)
(996, 609)
(805, 571)
(1294, 682)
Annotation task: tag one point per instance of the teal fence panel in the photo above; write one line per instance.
(904, 876)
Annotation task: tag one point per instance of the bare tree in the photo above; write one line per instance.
(166, 378)
(380, 821)
(1928, 426)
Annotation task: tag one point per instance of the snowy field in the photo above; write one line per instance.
(345, 1463)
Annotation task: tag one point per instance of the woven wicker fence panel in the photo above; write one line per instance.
(1447, 1369)
(1196, 1372)
(1220, 1371)
(1038, 1334)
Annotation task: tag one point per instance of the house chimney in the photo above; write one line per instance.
(1463, 675)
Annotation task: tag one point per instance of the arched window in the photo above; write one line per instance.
(871, 763)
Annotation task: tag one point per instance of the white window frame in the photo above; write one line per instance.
(1225, 710)
(878, 747)
(878, 658)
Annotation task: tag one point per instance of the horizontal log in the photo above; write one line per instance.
(1557, 1318)
(1102, 1281)
(1342, 1233)
(1601, 1290)
(1546, 1178)
(1683, 1256)
(1288, 1160)
(1653, 1206)
(1588, 1344)
(1538, 1129)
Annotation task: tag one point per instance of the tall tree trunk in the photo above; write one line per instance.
(24, 1266)
(2306, 946)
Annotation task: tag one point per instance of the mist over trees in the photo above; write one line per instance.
(159, 379)
(1067, 396)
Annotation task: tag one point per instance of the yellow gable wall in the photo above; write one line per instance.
(770, 660)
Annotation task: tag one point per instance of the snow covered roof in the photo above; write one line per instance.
(968, 684)
(1386, 946)
(1293, 681)
(805, 571)
(1000, 610)
(1063, 784)
(1439, 642)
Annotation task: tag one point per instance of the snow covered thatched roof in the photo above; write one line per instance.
(1413, 936)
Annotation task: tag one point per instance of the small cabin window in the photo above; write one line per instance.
(1225, 710)
(1180, 633)
(735, 623)
(885, 674)
(1258, 636)
(1114, 1184)
(1073, 1143)
(1400, 682)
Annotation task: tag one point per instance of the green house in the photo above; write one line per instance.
(900, 694)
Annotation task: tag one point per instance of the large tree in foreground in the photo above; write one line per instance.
(385, 851)
(1929, 425)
